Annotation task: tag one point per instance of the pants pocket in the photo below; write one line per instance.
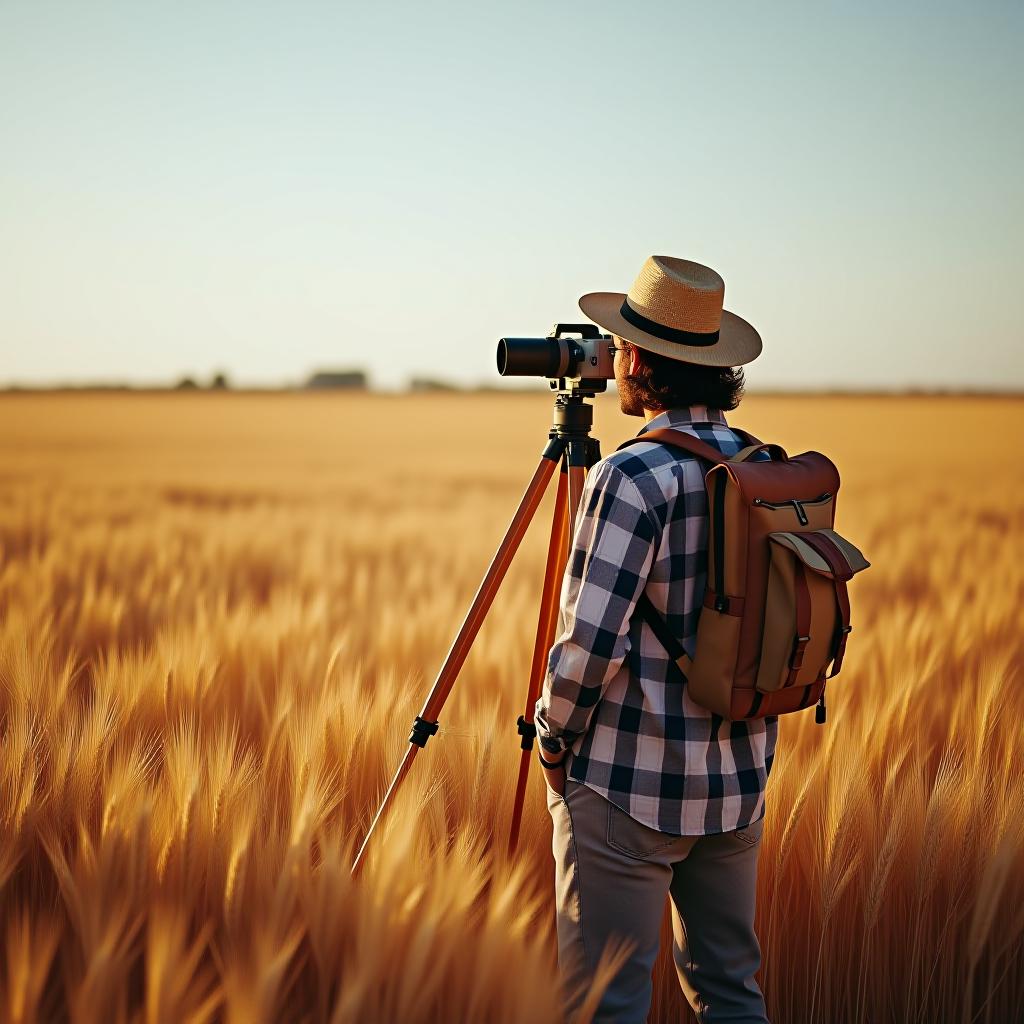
(750, 834)
(633, 838)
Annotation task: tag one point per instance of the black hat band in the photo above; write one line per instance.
(663, 332)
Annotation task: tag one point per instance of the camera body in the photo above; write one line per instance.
(582, 365)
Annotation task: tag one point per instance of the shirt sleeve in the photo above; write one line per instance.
(611, 557)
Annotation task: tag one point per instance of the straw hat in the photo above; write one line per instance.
(675, 309)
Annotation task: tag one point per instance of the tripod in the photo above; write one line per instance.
(569, 444)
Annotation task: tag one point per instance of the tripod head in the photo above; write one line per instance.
(573, 417)
(580, 367)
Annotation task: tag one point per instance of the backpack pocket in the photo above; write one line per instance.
(807, 608)
(712, 674)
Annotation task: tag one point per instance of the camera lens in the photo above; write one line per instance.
(533, 357)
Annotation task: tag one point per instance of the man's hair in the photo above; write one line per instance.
(662, 383)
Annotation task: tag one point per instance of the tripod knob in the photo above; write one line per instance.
(528, 731)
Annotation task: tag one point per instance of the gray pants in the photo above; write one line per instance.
(612, 874)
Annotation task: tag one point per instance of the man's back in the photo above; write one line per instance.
(612, 690)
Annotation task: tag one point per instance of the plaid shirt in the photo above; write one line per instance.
(612, 694)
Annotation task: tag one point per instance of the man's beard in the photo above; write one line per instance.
(629, 398)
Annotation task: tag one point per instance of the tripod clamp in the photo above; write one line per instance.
(528, 731)
(422, 730)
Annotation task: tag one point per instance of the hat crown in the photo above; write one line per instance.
(678, 293)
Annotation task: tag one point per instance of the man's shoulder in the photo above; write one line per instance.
(645, 473)
(640, 459)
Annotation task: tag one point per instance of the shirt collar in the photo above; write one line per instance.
(683, 415)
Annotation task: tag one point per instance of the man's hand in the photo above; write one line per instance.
(554, 776)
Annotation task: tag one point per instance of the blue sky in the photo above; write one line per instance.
(266, 189)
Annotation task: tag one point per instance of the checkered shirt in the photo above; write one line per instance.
(612, 695)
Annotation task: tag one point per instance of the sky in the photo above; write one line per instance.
(270, 189)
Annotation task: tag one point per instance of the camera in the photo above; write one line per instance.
(583, 364)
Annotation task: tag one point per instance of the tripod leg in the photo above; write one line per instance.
(425, 724)
(549, 608)
(547, 618)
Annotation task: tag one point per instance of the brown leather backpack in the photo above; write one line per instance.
(776, 610)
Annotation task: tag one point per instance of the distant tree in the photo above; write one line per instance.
(186, 384)
(219, 382)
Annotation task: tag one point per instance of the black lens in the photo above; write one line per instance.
(531, 357)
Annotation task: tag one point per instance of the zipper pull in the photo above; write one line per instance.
(800, 513)
(819, 711)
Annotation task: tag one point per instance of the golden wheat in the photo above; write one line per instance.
(220, 613)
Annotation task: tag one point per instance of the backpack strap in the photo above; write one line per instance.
(694, 445)
(679, 439)
(659, 627)
(803, 623)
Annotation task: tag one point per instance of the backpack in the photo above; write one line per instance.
(776, 611)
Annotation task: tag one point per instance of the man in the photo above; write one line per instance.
(650, 794)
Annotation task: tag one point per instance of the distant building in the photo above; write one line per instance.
(350, 380)
(428, 384)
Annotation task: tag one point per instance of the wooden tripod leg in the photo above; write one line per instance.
(588, 455)
(546, 621)
(426, 722)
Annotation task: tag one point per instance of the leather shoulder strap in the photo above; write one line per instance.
(747, 434)
(679, 439)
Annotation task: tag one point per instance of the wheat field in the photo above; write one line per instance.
(219, 614)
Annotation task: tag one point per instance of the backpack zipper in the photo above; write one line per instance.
(797, 503)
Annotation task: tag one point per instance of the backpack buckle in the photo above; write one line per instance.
(797, 657)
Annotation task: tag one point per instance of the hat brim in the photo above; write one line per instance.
(737, 343)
